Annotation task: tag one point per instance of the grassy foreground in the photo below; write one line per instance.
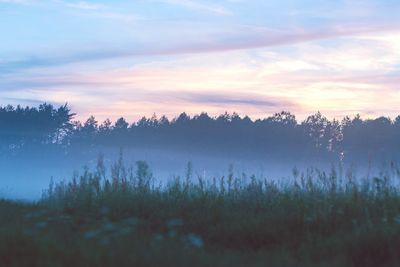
(318, 219)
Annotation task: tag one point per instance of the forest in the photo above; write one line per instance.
(25, 129)
(124, 212)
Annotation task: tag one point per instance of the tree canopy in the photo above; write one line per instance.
(279, 135)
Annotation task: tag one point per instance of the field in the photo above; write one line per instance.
(128, 219)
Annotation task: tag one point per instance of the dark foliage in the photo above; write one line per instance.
(124, 218)
(278, 136)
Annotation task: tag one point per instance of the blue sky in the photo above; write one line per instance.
(134, 58)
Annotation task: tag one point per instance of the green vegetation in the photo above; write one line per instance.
(318, 219)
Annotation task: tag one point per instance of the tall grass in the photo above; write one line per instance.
(128, 217)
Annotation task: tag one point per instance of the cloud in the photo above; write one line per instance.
(82, 5)
(242, 39)
(26, 101)
(15, 1)
(194, 5)
(88, 9)
(241, 99)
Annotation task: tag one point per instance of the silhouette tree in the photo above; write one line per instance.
(28, 127)
(279, 136)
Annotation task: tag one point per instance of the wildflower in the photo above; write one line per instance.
(124, 231)
(28, 232)
(108, 227)
(174, 223)
(171, 234)
(41, 225)
(131, 221)
(104, 211)
(90, 234)
(397, 219)
(309, 219)
(64, 218)
(195, 240)
(158, 237)
(104, 241)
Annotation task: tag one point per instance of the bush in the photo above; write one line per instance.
(316, 219)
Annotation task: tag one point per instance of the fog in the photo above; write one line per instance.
(25, 177)
(44, 142)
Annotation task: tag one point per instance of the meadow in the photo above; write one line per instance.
(126, 217)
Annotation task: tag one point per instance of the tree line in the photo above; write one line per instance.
(278, 136)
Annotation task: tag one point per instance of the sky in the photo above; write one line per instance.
(254, 57)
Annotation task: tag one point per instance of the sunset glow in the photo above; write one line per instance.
(136, 58)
